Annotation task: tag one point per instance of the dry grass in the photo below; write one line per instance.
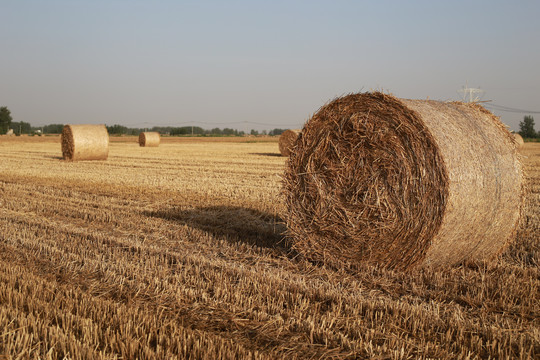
(519, 140)
(111, 260)
(287, 140)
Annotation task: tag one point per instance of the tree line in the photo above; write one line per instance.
(21, 127)
(526, 128)
(188, 130)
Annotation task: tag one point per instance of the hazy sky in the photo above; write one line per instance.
(257, 64)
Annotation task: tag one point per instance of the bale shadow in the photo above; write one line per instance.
(57, 157)
(267, 154)
(232, 223)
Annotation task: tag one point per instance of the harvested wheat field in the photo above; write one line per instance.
(179, 253)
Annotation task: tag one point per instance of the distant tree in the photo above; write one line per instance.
(276, 132)
(53, 129)
(197, 130)
(21, 127)
(175, 131)
(526, 127)
(159, 129)
(254, 132)
(5, 119)
(134, 131)
(117, 129)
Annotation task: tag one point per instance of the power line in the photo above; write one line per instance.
(210, 123)
(472, 97)
(496, 107)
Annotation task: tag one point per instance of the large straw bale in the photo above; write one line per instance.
(519, 140)
(286, 141)
(147, 139)
(85, 142)
(402, 183)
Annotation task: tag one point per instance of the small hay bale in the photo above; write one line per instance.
(519, 140)
(85, 142)
(148, 139)
(286, 141)
(402, 183)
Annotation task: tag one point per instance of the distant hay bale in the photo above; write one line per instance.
(148, 139)
(9, 132)
(402, 183)
(286, 141)
(519, 140)
(85, 142)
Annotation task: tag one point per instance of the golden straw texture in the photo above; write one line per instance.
(148, 139)
(286, 141)
(519, 140)
(85, 142)
(402, 183)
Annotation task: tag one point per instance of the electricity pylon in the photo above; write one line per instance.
(471, 93)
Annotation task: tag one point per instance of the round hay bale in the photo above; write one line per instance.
(402, 183)
(519, 140)
(85, 142)
(149, 139)
(286, 141)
